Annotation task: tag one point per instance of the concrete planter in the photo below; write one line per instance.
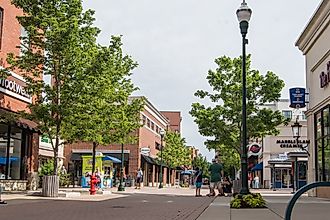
(50, 185)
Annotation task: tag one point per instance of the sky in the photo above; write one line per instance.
(175, 43)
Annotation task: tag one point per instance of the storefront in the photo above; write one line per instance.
(17, 153)
(283, 170)
(314, 43)
(108, 164)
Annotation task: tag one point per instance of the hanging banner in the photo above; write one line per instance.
(297, 97)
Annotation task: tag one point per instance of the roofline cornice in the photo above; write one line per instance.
(314, 27)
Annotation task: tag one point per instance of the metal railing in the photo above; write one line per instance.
(301, 191)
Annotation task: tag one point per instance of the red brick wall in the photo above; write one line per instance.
(11, 31)
(175, 120)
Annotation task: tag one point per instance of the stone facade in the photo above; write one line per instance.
(314, 43)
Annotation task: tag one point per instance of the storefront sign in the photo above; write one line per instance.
(297, 97)
(145, 151)
(325, 76)
(292, 143)
(14, 85)
(254, 149)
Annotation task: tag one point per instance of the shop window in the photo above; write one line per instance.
(325, 121)
(1, 26)
(326, 152)
(11, 167)
(322, 137)
(318, 125)
(287, 114)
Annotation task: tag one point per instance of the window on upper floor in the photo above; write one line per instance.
(144, 119)
(1, 26)
(304, 117)
(148, 123)
(152, 126)
(287, 114)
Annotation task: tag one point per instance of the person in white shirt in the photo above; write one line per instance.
(256, 182)
(139, 178)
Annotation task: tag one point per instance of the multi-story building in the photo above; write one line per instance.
(174, 117)
(141, 154)
(275, 168)
(314, 43)
(19, 139)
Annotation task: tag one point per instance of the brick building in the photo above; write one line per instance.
(174, 117)
(142, 154)
(19, 140)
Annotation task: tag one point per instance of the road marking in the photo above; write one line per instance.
(144, 201)
(169, 201)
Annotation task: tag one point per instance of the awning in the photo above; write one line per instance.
(4, 159)
(149, 159)
(27, 124)
(259, 166)
(113, 159)
(11, 117)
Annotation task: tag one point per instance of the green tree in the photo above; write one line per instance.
(175, 151)
(202, 163)
(101, 110)
(59, 43)
(221, 122)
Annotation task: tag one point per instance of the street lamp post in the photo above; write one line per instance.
(162, 133)
(121, 186)
(244, 15)
(296, 128)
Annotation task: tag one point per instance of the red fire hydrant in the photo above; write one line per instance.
(93, 183)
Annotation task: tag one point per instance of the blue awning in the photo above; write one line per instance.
(259, 166)
(3, 160)
(113, 159)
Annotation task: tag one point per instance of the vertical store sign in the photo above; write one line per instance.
(297, 97)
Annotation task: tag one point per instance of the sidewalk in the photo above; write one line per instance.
(306, 208)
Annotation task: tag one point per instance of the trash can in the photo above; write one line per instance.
(237, 186)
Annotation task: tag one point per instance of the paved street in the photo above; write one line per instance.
(132, 206)
(153, 203)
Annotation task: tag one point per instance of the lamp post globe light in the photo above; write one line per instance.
(296, 129)
(162, 133)
(243, 16)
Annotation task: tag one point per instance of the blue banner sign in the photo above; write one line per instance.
(297, 97)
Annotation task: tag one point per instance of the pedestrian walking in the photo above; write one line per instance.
(139, 178)
(216, 170)
(198, 181)
(256, 182)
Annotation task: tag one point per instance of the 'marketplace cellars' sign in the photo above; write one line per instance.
(292, 143)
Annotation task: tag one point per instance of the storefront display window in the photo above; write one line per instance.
(11, 152)
(323, 144)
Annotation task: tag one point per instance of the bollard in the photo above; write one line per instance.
(2, 202)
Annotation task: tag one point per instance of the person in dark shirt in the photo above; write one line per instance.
(216, 170)
(198, 181)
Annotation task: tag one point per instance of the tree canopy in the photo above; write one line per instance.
(221, 121)
(57, 45)
(100, 109)
(175, 152)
